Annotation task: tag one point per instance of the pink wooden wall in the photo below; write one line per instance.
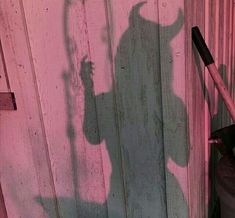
(70, 151)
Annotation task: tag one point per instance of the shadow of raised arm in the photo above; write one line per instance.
(90, 124)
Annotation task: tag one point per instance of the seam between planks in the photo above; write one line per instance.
(188, 68)
(89, 55)
(163, 136)
(107, 8)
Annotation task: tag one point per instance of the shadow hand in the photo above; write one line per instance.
(86, 72)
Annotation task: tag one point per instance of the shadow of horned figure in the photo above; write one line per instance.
(130, 120)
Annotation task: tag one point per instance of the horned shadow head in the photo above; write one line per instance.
(141, 45)
(171, 30)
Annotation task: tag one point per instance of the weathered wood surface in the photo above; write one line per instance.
(221, 41)
(174, 113)
(24, 162)
(4, 86)
(124, 136)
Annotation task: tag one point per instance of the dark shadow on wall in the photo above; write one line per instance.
(221, 119)
(130, 120)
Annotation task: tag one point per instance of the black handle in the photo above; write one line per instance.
(201, 46)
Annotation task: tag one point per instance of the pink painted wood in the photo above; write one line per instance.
(24, 166)
(222, 89)
(50, 166)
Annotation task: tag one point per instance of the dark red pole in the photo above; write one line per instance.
(209, 63)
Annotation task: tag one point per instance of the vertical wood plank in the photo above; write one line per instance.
(173, 74)
(25, 169)
(46, 23)
(100, 48)
(138, 106)
(77, 164)
(197, 119)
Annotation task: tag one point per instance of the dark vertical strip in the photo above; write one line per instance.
(188, 64)
(162, 108)
(67, 74)
(3, 211)
(233, 52)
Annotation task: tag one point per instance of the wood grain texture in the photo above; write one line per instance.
(197, 126)
(114, 107)
(45, 32)
(220, 35)
(139, 96)
(176, 143)
(25, 168)
(100, 45)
